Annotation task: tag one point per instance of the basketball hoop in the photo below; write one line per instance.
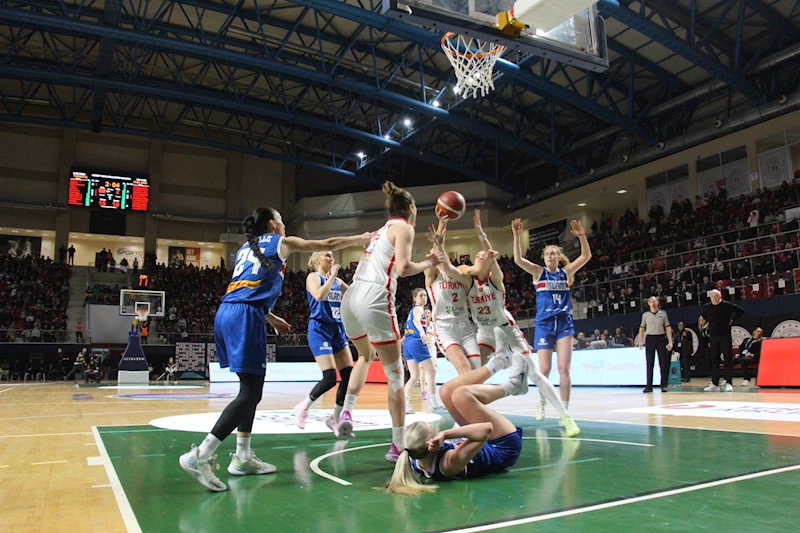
(141, 315)
(473, 60)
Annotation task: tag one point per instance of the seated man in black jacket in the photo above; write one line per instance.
(749, 353)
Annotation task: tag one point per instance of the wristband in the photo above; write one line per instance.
(482, 237)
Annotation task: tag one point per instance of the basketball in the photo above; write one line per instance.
(451, 205)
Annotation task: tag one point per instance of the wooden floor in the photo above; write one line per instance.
(54, 476)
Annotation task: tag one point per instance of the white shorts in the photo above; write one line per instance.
(516, 340)
(457, 332)
(368, 311)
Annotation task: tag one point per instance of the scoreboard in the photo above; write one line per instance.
(109, 191)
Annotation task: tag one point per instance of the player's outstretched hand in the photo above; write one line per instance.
(577, 229)
(335, 270)
(476, 221)
(435, 258)
(366, 237)
(280, 325)
(516, 227)
(435, 236)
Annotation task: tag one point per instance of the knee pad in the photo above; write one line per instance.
(329, 378)
(394, 374)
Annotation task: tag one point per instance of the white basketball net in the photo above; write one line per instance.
(473, 60)
(142, 315)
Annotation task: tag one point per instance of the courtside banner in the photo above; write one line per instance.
(612, 367)
(783, 412)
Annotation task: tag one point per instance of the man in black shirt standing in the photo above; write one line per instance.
(720, 316)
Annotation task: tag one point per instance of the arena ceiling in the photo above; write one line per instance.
(318, 82)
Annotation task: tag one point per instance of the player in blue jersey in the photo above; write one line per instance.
(491, 443)
(240, 335)
(554, 329)
(326, 336)
(415, 350)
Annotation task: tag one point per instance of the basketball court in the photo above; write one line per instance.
(104, 458)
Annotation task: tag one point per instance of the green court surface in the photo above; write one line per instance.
(614, 477)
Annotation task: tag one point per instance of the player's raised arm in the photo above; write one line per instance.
(403, 239)
(586, 252)
(297, 244)
(531, 268)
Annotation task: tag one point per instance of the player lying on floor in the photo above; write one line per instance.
(491, 444)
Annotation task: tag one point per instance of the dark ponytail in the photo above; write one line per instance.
(256, 225)
(398, 201)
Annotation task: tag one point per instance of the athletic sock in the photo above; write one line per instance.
(397, 437)
(243, 448)
(208, 447)
(566, 404)
(337, 411)
(307, 402)
(349, 402)
(497, 363)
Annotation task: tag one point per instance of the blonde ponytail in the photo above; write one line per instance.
(312, 261)
(404, 478)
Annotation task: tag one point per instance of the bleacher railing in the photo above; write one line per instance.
(683, 250)
(42, 335)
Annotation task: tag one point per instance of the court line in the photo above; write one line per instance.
(101, 486)
(50, 462)
(620, 501)
(152, 455)
(6, 390)
(699, 428)
(592, 440)
(540, 467)
(317, 470)
(44, 435)
(125, 509)
(115, 413)
(4, 466)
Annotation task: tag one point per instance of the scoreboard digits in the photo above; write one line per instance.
(121, 193)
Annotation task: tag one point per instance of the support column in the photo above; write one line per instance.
(66, 160)
(154, 169)
(233, 183)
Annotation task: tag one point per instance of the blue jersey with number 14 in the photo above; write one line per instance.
(552, 294)
(253, 283)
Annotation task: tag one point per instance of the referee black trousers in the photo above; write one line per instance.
(721, 345)
(653, 344)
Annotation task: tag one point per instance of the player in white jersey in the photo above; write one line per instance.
(368, 310)
(488, 308)
(454, 333)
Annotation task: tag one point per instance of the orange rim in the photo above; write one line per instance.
(481, 55)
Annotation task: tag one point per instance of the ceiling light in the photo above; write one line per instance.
(622, 191)
(582, 204)
(436, 103)
(85, 235)
(407, 122)
(201, 243)
(387, 136)
(361, 155)
(29, 230)
(14, 231)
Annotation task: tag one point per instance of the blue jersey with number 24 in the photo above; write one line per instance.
(253, 283)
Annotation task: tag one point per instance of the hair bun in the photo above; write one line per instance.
(390, 189)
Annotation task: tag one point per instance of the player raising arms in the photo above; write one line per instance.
(326, 336)
(487, 303)
(452, 329)
(368, 310)
(554, 329)
(416, 351)
(240, 335)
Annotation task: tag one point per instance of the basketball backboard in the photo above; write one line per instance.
(579, 41)
(131, 300)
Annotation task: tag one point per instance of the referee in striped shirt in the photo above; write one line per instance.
(655, 324)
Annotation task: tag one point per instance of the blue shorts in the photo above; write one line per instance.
(240, 334)
(496, 455)
(325, 338)
(415, 350)
(551, 329)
